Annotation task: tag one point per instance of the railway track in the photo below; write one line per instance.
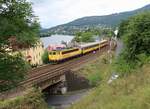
(45, 68)
(51, 71)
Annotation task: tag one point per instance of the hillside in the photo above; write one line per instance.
(126, 92)
(107, 21)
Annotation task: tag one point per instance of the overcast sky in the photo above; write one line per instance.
(56, 12)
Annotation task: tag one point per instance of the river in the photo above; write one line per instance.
(56, 39)
(64, 101)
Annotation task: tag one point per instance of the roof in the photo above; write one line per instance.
(103, 41)
(89, 44)
(80, 46)
(64, 49)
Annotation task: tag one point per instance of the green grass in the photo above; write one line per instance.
(32, 100)
(127, 92)
(97, 70)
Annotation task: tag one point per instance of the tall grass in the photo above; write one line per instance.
(97, 70)
(32, 100)
(127, 92)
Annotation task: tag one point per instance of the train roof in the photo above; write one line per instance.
(80, 46)
(103, 41)
(90, 44)
(66, 49)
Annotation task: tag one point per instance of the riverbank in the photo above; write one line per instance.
(64, 101)
(33, 99)
(128, 92)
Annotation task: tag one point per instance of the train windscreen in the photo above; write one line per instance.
(53, 53)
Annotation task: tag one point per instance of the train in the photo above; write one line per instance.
(56, 56)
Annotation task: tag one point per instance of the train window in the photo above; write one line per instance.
(50, 53)
(54, 53)
(69, 51)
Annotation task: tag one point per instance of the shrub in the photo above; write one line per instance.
(45, 57)
(94, 78)
(32, 100)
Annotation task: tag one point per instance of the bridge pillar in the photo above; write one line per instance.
(63, 85)
(63, 88)
(58, 86)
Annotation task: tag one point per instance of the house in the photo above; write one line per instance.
(33, 55)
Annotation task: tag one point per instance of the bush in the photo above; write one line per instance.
(135, 33)
(94, 78)
(32, 100)
(84, 37)
(45, 57)
(12, 70)
(122, 67)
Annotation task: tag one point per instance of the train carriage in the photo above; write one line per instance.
(60, 55)
(86, 48)
(103, 43)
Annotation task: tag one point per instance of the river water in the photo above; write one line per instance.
(56, 39)
(77, 87)
(64, 101)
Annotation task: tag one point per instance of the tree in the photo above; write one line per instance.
(107, 33)
(17, 19)
(84, 37)
(45, 57)
(12, 70)
(17, 23)
(88, 35)
(135, 33)
(123, 28)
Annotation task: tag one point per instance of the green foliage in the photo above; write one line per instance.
(45, 57)
(123, 28)
(45, 34)
(17, 19)
(128, 92)
(32, 100)
(94, 78)
(122, 66)
(97, 70)
(107, 33)
(135, 33)
(84, 37)
(136, 36)
(89, 35)
(143, 59)
(12, 70)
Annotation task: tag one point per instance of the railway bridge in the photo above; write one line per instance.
(45, 76)
(48, 75)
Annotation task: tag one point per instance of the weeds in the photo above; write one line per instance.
(32, 100)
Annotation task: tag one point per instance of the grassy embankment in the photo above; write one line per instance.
(128, 92)
(32, 100)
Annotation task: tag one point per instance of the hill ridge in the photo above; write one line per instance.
(106, 21)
